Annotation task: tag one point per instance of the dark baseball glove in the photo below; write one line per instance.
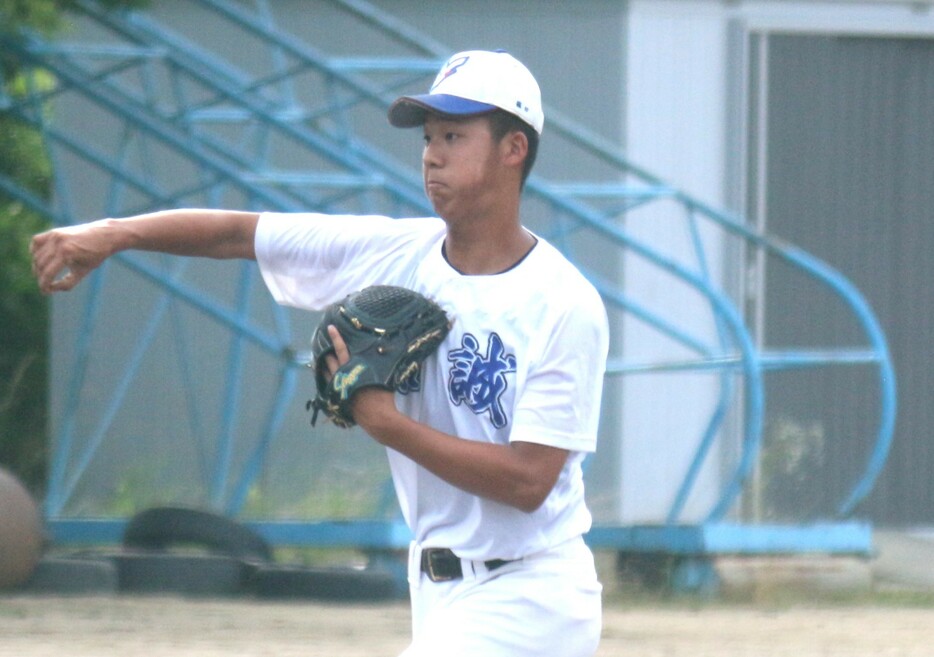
(389, 332)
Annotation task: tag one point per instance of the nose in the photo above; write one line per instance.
(430, 155)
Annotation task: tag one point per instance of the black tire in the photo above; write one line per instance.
(332, 584)
(181, 574)
(162, 527)
(72, 576)
(648, 570)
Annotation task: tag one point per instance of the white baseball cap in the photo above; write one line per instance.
(471, 83)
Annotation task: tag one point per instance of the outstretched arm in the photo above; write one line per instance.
(62, 257)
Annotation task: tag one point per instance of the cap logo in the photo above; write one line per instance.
(452, 67)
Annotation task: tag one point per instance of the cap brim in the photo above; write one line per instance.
(410, 111)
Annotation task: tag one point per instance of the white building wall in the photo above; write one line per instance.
(676, 63)
(682, 121)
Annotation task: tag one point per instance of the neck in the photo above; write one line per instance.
(484, 252)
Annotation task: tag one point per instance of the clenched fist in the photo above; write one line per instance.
(62, 257)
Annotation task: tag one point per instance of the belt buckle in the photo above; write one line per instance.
(430, 554)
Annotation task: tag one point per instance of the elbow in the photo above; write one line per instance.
(525, 494)
(530, 506)
(535, 475)
(236, 236)
(530, 498)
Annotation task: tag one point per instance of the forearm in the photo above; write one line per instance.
(194, 232)
(519, 475)
(62, 257)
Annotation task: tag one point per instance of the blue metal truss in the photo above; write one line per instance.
(223, 121)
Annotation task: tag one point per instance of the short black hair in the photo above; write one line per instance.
(502, 123)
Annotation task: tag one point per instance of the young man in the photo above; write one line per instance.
(486, 455)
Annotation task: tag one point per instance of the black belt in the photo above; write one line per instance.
(442, 565)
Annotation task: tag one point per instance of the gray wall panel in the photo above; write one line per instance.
(850, 172)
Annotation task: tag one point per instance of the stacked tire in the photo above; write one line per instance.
(180, 551)
(199, 553)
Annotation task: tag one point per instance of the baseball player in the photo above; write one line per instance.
(486, 448)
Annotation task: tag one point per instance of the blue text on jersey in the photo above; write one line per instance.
(479, 380)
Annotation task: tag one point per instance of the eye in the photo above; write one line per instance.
(450, 136)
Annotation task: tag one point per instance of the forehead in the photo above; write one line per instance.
(441, 122)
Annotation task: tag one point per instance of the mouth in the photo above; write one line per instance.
(434, 189)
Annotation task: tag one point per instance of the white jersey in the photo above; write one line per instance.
(524, 361)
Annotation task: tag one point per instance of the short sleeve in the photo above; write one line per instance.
(559, 404)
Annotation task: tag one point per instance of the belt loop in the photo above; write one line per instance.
(415, 565)
(470, 569)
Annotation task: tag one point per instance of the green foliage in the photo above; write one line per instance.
(23, 350)
(41, 15)
(23, 311)
(45, 16)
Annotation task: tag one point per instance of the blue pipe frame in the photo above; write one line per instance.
(735, 353)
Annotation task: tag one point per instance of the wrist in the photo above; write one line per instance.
(116, 237)
(374, 410)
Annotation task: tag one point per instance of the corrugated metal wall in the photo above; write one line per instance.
(851, 179)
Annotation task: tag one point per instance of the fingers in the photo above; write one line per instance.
(331, 361)
(64, 280)
(341, 354)
(48, 264)
(340, 347)
(55, 262)
(56, 276)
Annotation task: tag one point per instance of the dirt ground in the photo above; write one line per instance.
(770, 607)
(37, 626)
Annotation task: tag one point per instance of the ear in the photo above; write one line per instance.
(514, 148)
